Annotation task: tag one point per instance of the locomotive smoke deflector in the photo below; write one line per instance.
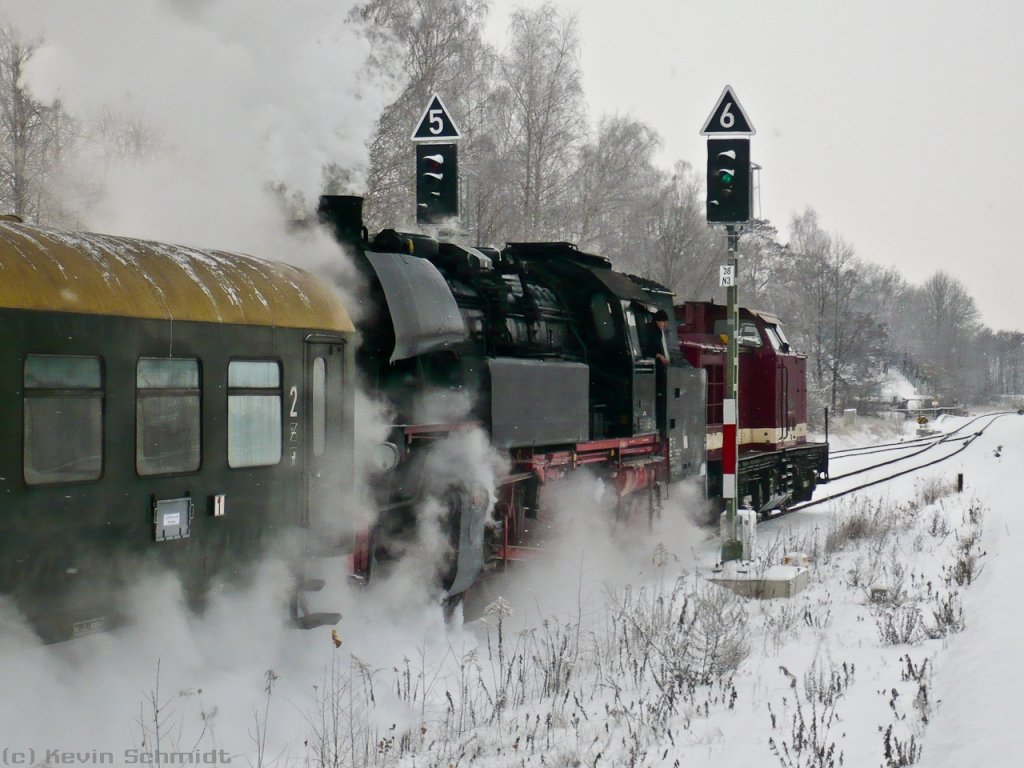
(421, 306)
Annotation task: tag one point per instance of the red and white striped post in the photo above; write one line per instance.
(729, 450)
(732, 548)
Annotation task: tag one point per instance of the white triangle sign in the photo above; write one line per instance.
(436, 124)
(728, 117)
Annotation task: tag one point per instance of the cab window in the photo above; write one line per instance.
(777, 338)
(604, 322)
(748, 336)
(632, 332)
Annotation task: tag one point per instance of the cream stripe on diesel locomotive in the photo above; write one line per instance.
(759, 436)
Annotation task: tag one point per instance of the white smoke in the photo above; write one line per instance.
(234, 97)
(200, 681)
(240, 94)
(592, 544)
(442, 406)
(463, 463)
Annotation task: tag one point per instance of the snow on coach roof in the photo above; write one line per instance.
(49, 269)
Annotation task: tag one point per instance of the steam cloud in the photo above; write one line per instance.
(241, 94)
(588, 551)
(235, 97)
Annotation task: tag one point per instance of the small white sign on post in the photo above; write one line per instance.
(726, 276)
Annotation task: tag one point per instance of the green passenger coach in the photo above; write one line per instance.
(162, 408)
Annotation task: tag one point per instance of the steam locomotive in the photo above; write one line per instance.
(170, 408)
(555, 353)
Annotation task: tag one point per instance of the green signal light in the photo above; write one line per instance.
(727, 178)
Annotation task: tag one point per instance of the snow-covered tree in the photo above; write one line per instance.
(542, 117)
(33, 136)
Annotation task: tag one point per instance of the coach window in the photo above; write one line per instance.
(254, 413)
(167, 423)
(63, 410)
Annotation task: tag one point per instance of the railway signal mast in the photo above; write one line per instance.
(437, 164)
(729, 197)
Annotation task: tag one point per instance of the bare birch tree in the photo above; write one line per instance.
(614, 179)
(681, 251)
(33, 135)
(544, 118)
(944, 321)
(823, 291)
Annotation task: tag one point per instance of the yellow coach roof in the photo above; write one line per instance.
(48, 269)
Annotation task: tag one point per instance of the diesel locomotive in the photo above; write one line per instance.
(778, 464)
(164, 408)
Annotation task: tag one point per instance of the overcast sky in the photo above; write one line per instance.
(898, 121)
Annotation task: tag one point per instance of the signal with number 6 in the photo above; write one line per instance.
(729, 188)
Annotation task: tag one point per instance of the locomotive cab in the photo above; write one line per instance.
(631, 395)
(773, 378)
(773, 399)
(605, 306)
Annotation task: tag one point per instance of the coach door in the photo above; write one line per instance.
(325, 423)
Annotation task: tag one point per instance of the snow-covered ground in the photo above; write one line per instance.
(902, 650)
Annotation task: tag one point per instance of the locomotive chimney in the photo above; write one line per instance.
(344, 215)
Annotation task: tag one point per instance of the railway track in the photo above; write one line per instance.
(939, 448)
